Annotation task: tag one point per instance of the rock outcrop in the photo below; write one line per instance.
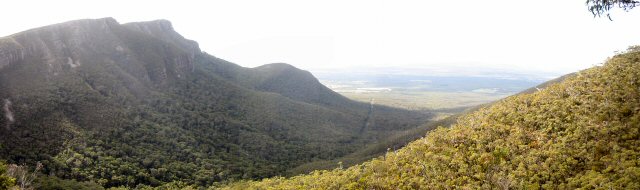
(66, 46)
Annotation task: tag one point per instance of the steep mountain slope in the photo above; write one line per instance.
(374, 150)
(95, 100)
(402, 139)
(581, 133)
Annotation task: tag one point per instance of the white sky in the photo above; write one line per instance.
(541, 35)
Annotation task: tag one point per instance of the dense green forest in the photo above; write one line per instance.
(581, 133)
(137, 104)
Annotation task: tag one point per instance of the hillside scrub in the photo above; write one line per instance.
(579, 133)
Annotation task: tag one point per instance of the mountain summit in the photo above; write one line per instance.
(137, 103)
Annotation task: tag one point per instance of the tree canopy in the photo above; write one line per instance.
(5, 181)
(603, 7)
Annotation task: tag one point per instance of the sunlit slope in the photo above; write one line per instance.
(579, 133)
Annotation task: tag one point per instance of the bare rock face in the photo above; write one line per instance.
(8, 113)
(163, 29)
(10, 52)
(68, 46)
(54, 45)
(98, 56)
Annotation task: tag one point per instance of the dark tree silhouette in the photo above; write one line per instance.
(603, 7)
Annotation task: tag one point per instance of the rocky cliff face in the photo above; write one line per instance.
(65, 47)
(163, 29)
(10, 52)
(56, 44)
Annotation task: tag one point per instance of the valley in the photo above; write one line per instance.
(138, 104)
(293, 95)
(579, 131)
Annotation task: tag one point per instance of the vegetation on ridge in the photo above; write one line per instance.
(579, 133)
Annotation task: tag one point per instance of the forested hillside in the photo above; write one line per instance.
(580, 133)
(138, 104)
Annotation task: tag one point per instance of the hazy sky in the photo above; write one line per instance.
(541, 35)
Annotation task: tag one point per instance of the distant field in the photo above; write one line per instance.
(425, 100)
(444, 94)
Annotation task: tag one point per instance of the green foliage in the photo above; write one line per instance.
(55, 183)
(145, 109)
(371, 151)
(24, 177)
(5, 181)
(581, 133)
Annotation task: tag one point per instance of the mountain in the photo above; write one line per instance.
(402, 139)
(138, 104)
(581, 131)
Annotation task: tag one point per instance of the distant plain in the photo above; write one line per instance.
(442, 94)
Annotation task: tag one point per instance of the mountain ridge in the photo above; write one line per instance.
(138, 104)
